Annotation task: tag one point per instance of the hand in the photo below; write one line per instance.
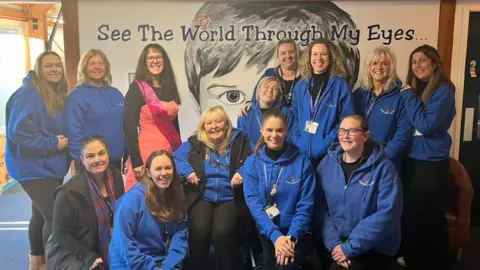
(283, 260)
(139, 173)
(97, 262)
(246, 107)
(62, 142)
(284, 247)
(237, 180)
(192, 178)
(346, 264)
(338, 256)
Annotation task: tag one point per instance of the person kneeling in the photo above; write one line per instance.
(83, 211)
(279, 187)
(150, 228)
(363, 200)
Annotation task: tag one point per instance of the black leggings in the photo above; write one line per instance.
(40, 227)
(425, 231)
(210, 223)
(302, 250)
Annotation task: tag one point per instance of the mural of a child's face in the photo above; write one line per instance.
(230, 90)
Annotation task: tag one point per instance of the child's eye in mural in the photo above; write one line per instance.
(232, 97)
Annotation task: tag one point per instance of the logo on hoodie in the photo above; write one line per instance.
(366, 181)
(387, 111)
(292, 180)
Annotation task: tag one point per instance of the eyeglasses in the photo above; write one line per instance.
(151, 59)
(218, 164)
(350, 131)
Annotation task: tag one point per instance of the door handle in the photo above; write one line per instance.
(473, 65)
(468, 124)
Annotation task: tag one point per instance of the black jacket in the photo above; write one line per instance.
(74, 240)
(240, 150)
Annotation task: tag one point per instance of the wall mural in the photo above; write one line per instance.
(219, 50)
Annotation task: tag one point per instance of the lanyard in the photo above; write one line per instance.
(167, 237)
(288, 95)
(258, 120)
(275, 186)
(314, 106)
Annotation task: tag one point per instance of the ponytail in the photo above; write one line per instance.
(260, 143)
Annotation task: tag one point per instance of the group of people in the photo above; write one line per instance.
(358, 176)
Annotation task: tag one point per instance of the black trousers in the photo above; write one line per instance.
(367, 261)
(40, 226)
(425, 232)
(210, 223)
(302, 250)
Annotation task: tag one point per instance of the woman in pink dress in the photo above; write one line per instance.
(151, 111)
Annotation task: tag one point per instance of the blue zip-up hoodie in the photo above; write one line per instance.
(218, 186)
(31, 151)
(387, 120)
(139, 239)
(431, 141)
(250, 123)
(294, 197)
(335, 103)
(93, 110)
(364, 214)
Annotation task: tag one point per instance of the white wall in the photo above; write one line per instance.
(421, 16)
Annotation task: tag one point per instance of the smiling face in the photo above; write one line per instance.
(319, 58)
(52, 68)
(154, 62)
(379, 68)
(287, 56)
(274, 131)
(422, 66)
(96, 68)
(215, 128)
(95, 157)
(355, 138)
(268, 92)
(161, 171)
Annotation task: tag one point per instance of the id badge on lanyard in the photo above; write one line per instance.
(272, 209)
(310, 125)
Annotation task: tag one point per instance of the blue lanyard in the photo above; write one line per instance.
(314, 106)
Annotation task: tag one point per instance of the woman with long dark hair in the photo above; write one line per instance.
(151, 111)
(150, 228)
(430, 110)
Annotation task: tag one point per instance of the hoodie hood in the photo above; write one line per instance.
(89, 85)
(28, 79)
(291, 151)
(336, 152)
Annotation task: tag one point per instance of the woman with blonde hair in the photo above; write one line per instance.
(268, 95)
(151, 111)
(150, 227)
(96, 108)
(210, 161)
(380, 100)
(320, 99)
(36, 154)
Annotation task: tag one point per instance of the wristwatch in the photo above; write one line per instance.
(292, 239)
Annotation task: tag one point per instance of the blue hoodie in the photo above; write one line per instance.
(431, 141)
(387, 120)
(364, 214)
(31, 151)
(294, 197)
(95, 110)
(217, 171)
(138, 240)
(250, 123)
(335, 103)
